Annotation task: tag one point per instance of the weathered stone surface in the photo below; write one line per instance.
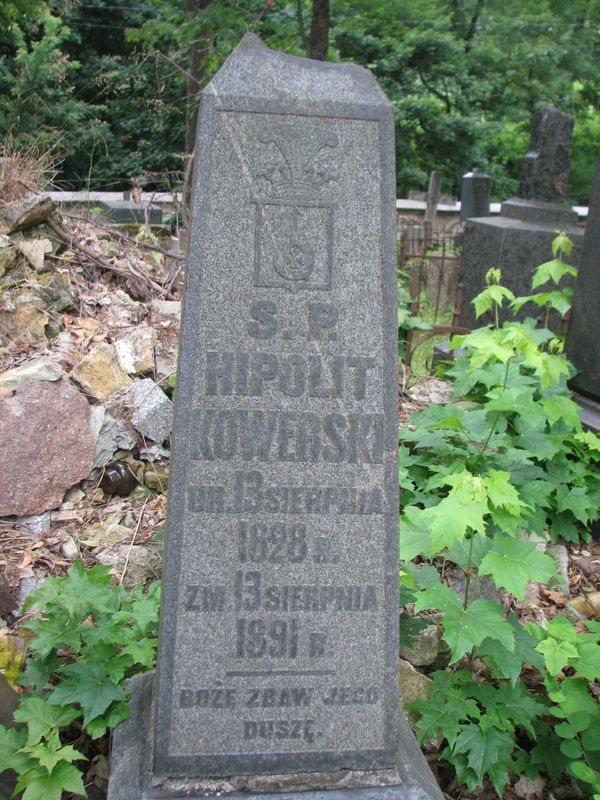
(520, 239)
(413, 686)
(545, 172)
(583, 338)
(38, 369)
(560, 554)
(21, 318)
(34, 250)
(423, 648)
(135, 350)
(25, 214)
(111, 434)
(515, 246)
(105, 533)
(156, 478)
(484, 587)
(152, 411)
(165, 308)
(141, 563)
(475, 194)
(130, 747)
(37, 523)
(280, 589)
(46, 446)
(99, 374)
(69, 549)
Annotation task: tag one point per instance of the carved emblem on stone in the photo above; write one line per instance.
(294, 215)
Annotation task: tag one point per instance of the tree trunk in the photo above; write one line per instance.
(319, 30)
(195, 75)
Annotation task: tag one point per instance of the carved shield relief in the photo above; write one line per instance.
(293, 245)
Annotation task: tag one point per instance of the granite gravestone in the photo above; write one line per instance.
(278, 662)
(583, 339)
(520, 239)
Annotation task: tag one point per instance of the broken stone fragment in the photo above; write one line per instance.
(423, 648)
(37, 523)
(22, 320)
(46, 446)
(99, 374)
(135, 350)
(560, 554)
(34, 251)
(166, 308)
(69, 549)
(105, 533)
(111, 434)
(38, 369)
(413, 686)
(26, 213)
(138, 564)
(152, 411)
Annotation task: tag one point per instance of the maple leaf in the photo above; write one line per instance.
(444, 716)
(41, 785)
(556, 654)
(41, 718)
(88, 684)
(514, 562)
(463, 508)
(486, 747)
(464, 629)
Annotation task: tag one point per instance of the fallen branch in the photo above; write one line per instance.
(132, 272)
(123, 237)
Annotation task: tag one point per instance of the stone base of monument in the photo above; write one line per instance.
(517, 242)
(590, 412)
(131, 775)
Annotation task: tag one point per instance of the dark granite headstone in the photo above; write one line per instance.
(545, 171)
(475, 194)
(520, 239)
(583, 339)
(278, 664)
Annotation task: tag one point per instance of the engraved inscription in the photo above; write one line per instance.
(278, 503)
(249, 493)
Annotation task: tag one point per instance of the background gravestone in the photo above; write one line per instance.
(583, 339)
(278, 664)
(520, 239)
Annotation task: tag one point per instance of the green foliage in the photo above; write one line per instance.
(406, 319)
(509, 456)
(464, 78)
(88, 638)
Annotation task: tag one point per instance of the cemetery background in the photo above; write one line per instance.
(81, 274)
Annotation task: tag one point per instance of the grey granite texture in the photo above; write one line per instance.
(583, 338)
(281, 564)
(132, 779)
(546, 166)
(152, 411)
(278, 646)
(517, 248)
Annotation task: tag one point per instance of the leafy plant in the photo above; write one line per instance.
(479, 476)
(88, 638)
(406, 319)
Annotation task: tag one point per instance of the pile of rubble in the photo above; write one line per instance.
(89, 325)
